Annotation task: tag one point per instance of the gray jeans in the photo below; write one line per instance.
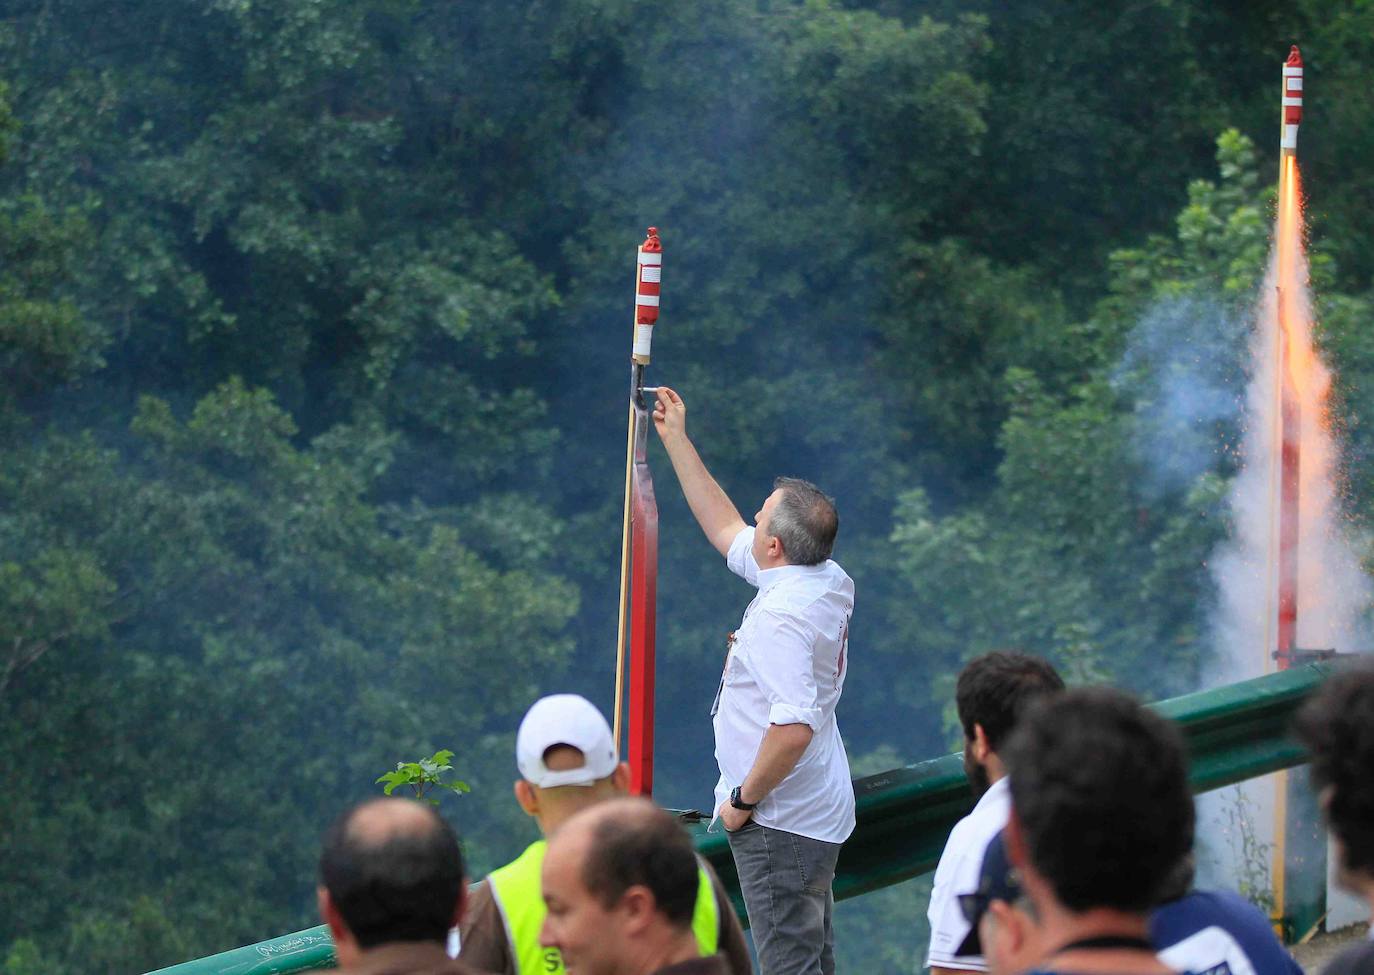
(785, 880)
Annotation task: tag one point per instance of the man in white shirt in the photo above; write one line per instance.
(785, 795)
(992, 693)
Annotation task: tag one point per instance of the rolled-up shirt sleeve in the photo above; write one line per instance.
(785, 668)
(740, 558)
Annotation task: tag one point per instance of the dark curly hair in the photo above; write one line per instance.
(994, 690)
(1100, 787)
(1337, 726)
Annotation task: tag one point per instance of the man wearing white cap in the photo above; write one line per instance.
(567, 761)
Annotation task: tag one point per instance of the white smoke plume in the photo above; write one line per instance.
(1236, 827)
(1333, 592)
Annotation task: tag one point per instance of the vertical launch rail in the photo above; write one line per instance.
(643, 603)
(1299, 864)
(639, 538)
(1287, 243)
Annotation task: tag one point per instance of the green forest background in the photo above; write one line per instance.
(314, 324)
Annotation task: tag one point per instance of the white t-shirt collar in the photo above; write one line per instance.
(994, 794)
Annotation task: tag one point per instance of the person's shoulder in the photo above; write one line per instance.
(963, 852)
(1199, 909)
(1358, 959)
(480, 899)
(456, 966)
(1229, 900)
(809, 601)
(838, 570)
(965, 832)
(838, 580)
(482, 931)
(975, 831)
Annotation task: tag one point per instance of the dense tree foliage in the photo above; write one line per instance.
(313, 329)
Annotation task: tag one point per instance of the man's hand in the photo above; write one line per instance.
(732, 818)
(714, 512)
(670, 415)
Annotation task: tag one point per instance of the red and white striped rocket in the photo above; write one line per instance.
(648, 273)
(1292, 103)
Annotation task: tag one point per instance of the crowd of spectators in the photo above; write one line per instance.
(1081, 863)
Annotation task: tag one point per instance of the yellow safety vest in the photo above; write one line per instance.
(516, 890)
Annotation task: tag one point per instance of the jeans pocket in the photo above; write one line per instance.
(815, 863)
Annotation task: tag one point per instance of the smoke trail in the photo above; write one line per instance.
(1333, 593)
(1237, 827)
(1184, 368)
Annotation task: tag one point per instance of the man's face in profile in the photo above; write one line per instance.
(1011, 940)
(583, 930)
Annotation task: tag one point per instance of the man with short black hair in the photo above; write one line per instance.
(391, 887)
(992, 693)
(785, 796)
(1101, 815)
(1337, 726)
(1209, 932)
(620, 880)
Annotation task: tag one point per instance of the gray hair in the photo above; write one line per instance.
(805, 521)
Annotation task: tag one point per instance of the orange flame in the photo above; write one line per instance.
(1301, 429)
(1294, 313)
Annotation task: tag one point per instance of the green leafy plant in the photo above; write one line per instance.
(1250, 853)
(424, 776)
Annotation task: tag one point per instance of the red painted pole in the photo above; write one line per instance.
(639, 546)
(1289, 405)
(643, 613)
(1290, 459)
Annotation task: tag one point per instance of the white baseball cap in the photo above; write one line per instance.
(564, 719)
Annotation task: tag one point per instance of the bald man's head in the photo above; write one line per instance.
(393, 871)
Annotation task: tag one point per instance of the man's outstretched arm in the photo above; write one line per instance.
(714, 511)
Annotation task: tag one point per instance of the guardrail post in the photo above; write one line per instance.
(1303, 885)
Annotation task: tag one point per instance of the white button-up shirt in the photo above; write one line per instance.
(786, 665)
(958, 872)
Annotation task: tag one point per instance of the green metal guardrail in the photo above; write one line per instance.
(1234, 733)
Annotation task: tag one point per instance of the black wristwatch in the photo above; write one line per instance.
(739, 803)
